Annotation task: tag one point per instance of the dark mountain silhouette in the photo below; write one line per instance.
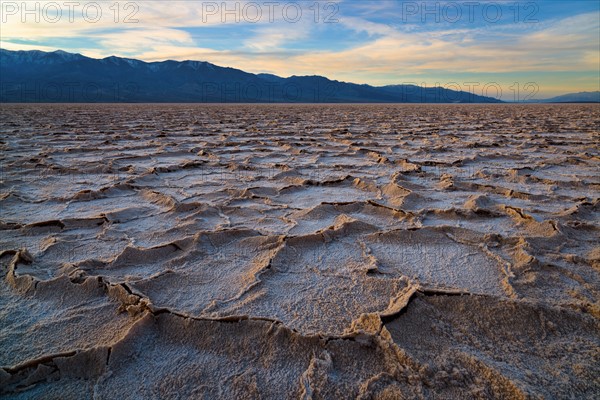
(37, 76)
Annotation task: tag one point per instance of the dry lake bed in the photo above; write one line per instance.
(300, 251)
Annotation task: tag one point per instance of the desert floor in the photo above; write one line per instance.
(300, 251)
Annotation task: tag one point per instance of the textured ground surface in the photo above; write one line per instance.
(372, 252)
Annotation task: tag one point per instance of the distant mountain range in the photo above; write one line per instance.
(58, 76)
(37, 76)
(581, 97)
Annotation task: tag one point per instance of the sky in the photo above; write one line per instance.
(507, 49)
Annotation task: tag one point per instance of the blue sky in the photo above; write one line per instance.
(513, 50)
